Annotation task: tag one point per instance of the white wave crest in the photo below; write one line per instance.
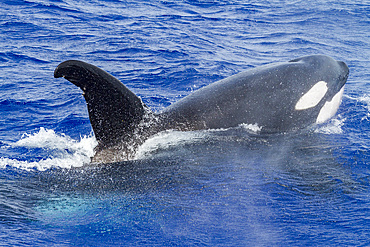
(366, 100)
(362, 101)
(333, 126)
(167, 139)
(63, 151)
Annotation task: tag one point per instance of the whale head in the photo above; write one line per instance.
(324, 92)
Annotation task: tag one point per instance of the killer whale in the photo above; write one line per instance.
(278, 97)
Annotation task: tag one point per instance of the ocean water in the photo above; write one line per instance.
(226, 187)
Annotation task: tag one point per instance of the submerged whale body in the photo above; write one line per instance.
(279, 97)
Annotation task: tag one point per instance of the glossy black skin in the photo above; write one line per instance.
(114, 111)
(265, 96)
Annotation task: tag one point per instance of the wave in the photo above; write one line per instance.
(63, 151)
(333, 126)
(365, 99)
(12, 56)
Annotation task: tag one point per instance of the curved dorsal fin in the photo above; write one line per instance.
(115, 112)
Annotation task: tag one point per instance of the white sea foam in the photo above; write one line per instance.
(366, 100)
(251, 127)
(333, 126)
(63, 151)
(362, 101)
(168, 139)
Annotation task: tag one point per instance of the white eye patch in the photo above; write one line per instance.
(313, 96)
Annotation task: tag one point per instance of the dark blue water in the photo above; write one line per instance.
(203, 188)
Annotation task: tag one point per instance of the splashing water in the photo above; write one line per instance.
(64, 151)
(365, 99)
(334, 126)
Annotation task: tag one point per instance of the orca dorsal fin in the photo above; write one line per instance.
(114, 111)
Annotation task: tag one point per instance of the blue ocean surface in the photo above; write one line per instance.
(225, 187)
